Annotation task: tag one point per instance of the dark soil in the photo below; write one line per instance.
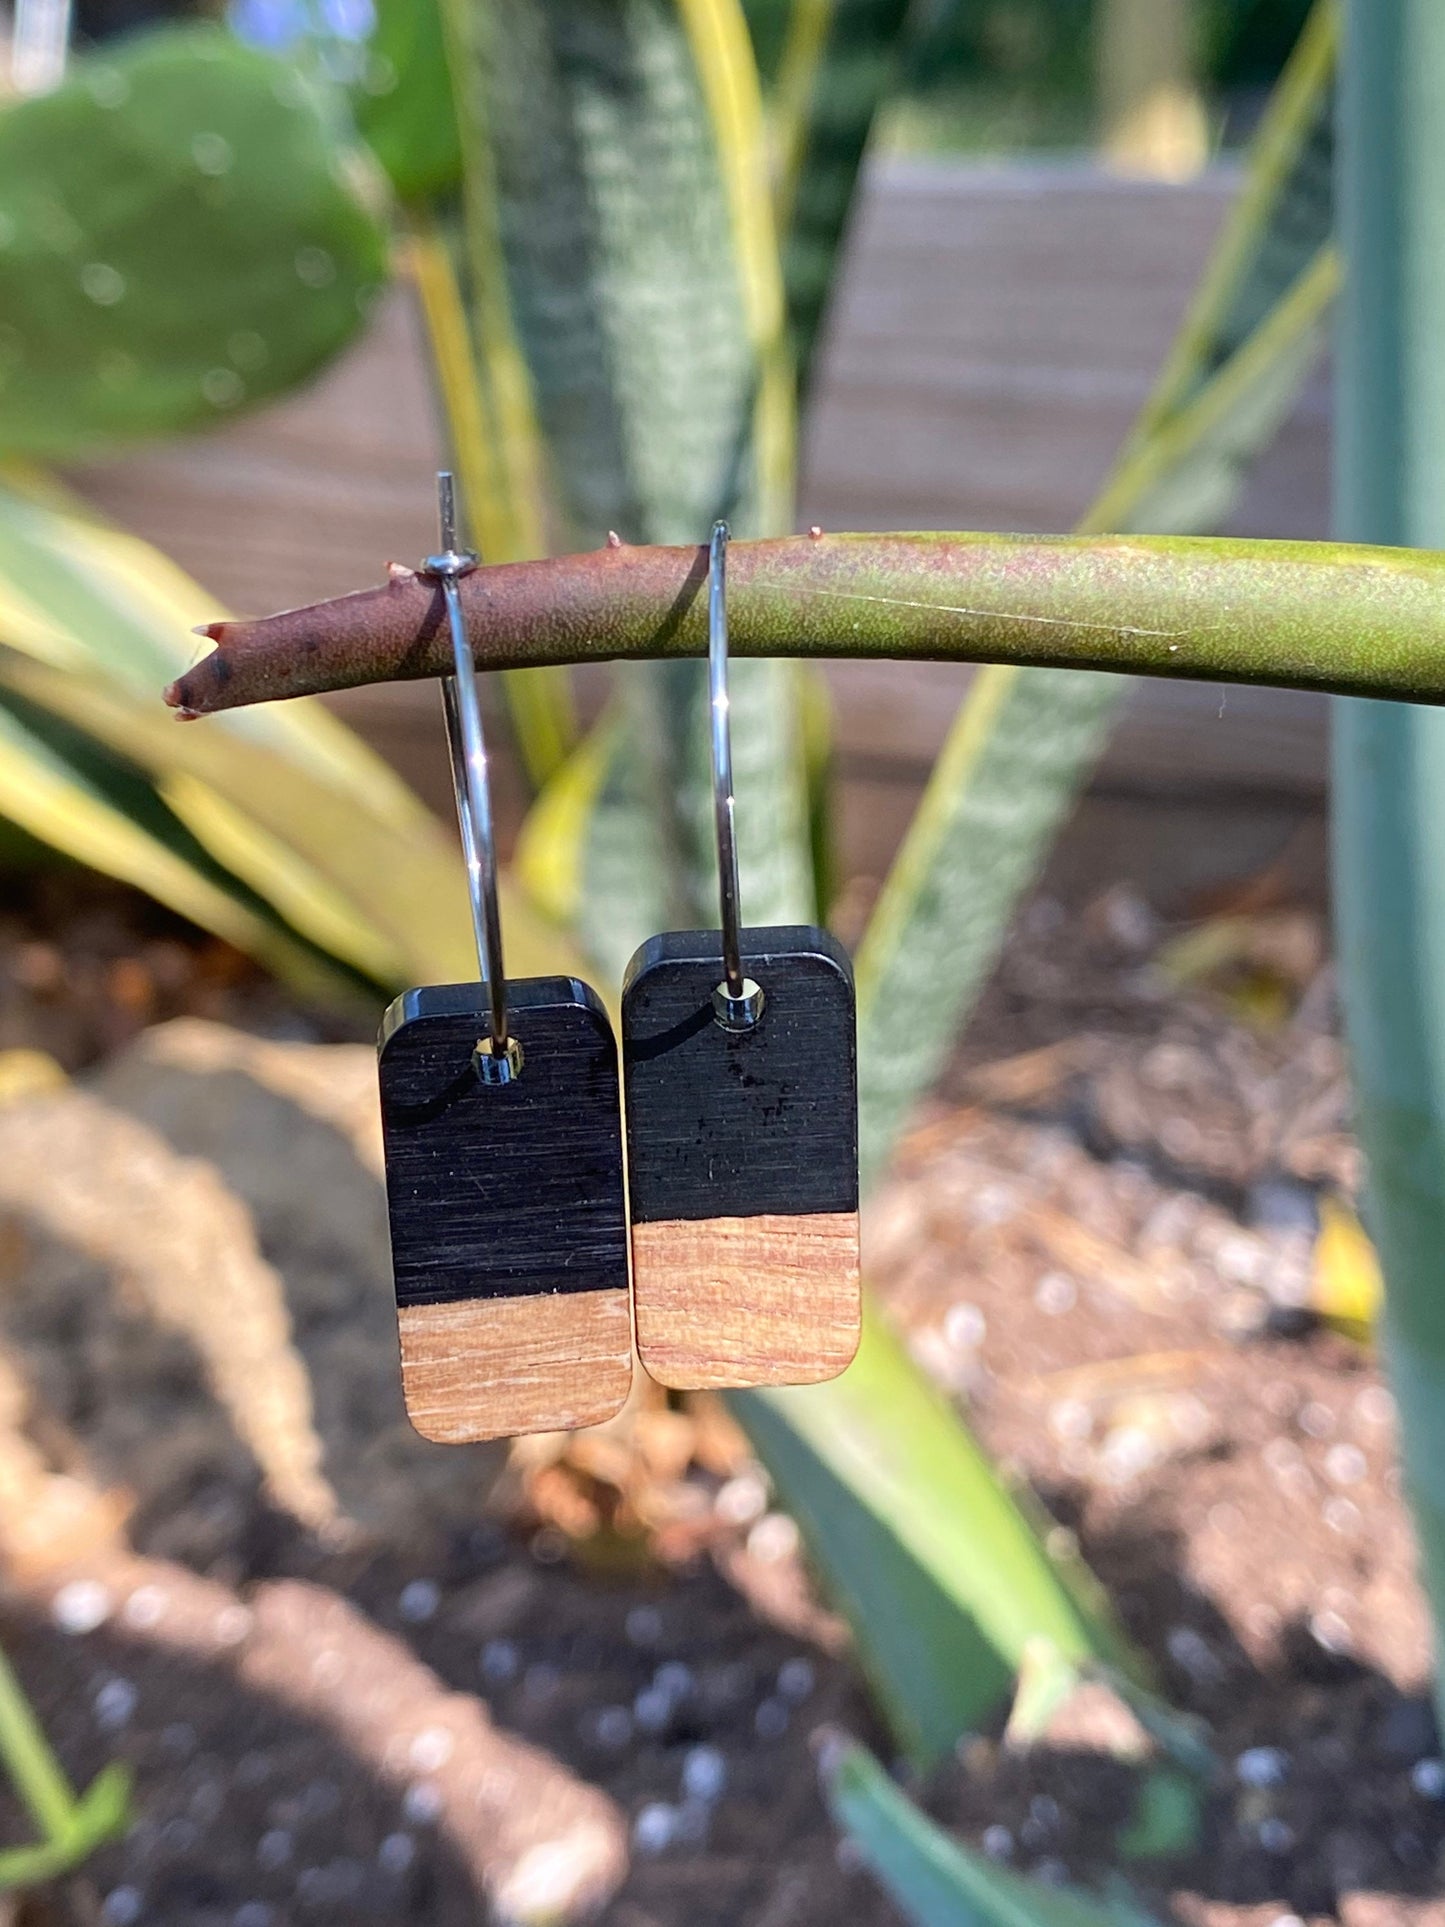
(1099, 1239)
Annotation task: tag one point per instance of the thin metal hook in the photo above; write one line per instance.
(499, 1055)
(737, 1001)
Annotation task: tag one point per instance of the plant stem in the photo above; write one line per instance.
(1295, 614)
(32, 1766)
(1390, 762)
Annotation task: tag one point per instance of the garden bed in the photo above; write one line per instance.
(1099, 1238)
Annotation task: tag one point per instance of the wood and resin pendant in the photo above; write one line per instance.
(507, 1208)
(742, 1149)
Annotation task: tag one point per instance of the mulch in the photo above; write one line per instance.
(1099, 1239)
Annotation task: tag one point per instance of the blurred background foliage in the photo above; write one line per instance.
(620, 229)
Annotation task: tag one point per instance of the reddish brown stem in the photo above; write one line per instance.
(1299, 614)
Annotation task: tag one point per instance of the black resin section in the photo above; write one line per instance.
(502, 1190)
(733, 1124)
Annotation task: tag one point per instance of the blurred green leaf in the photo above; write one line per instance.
(102, 1813)
(403, 104)
(311, 846)
(67, 792)
(494, 445)
(1007, 777)
(1167, 1818)
(935, 1880)
(943, 1578)
(614, 222)
(839, 65)
(627, 171)
(71, 1828)
(183, 233)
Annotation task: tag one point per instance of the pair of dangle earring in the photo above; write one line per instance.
(502, 1125)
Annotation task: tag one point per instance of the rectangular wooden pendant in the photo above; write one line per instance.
(508, 1216)
(742, 1150)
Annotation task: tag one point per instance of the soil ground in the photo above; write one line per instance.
(1099, 1238)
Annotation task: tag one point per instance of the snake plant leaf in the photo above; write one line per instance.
(1024, 742)
(403, 101)
(1389, 760)
(944, 1580)
(934, 1880)
(311, 846)
(183, 234)
(628, 162)
(487, 403)
(839, 65)
(494, 443)
(68, 793)
(621, 272)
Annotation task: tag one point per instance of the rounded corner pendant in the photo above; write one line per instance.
(508, 1216)
(742, 1150)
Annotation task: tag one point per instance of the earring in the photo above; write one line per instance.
(740, 1072)
(501, 1121)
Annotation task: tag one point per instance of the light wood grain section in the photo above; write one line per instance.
(489, 1368)
(770, 1300)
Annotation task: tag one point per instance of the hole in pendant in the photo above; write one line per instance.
(738, 1013)
(498, 1064)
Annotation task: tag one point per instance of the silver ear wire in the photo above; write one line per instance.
(738, 1001)
(498, 1055)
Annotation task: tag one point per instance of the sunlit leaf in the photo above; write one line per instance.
(1347, 1287)
(276, 826)
(943, 1578)
(838, 68)
(494, 445)
(182, 234)
(936, 1881)
(403, 101)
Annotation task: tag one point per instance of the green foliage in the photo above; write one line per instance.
(620, 265)
(626, 242)
(1389, 761)
(278, 829)
(1008, 775)
(943, 1578)
(182, 233)
(70, 1827)
(403, 103)
(936, 1881)
(838, 68)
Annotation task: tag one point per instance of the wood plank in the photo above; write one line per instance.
(730, 1302)
(490, 1369)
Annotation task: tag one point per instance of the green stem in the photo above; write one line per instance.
(1295, 614)
(1389, 804)
(32, 1766)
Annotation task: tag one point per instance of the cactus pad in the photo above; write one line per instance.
(184, 232)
